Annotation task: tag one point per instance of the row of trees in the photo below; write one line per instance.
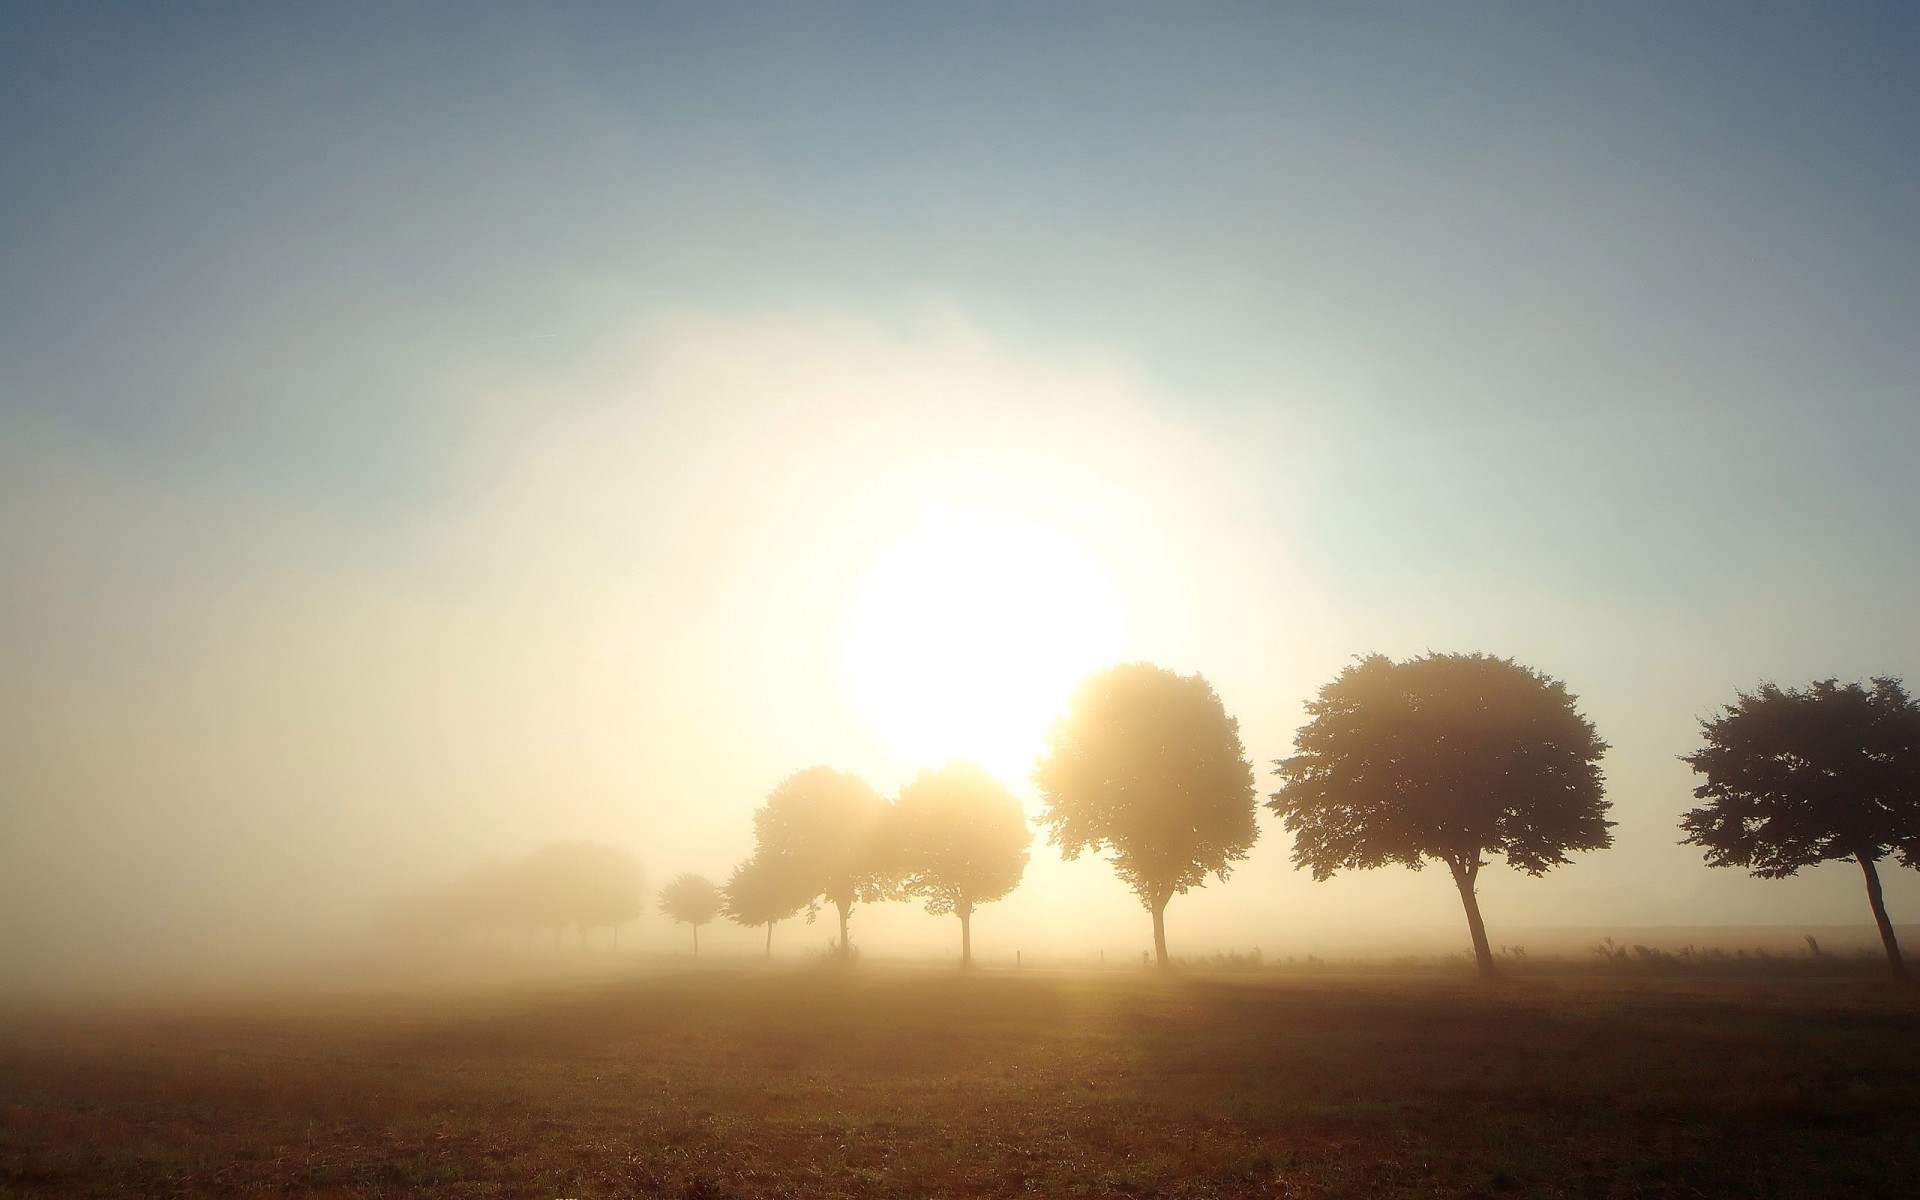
(1450, 758)
(1461, 758)
(580, 884)
(954, 839)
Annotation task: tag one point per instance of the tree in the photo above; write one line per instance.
(963, 840)
(1796, 777)
(690, 900)
(1148, 765)
(833, 829)
(582, 884)
(545, 884)
(608, 889)
(764, 890)
(1450, 757)
(585, 884)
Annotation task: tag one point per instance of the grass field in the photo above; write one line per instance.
(891, 1082)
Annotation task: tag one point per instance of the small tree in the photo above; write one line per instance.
(1147, 764)
(963, 841)
(1449, 757)
(833, 829)
(691, 900)
(1796, 777)
(764, 890)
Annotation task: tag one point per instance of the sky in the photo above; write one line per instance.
(426, 433)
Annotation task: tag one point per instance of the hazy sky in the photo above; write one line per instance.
(428, 432)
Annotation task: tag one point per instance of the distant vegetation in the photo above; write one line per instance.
(1453, 758)
(578, 885)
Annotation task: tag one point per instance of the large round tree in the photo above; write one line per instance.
(1451, 757)
(831, 828)
(1147, 765)
(1796, 777)
(963, 842)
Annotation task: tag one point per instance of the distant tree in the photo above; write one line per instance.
(582, 884)
(1148, 765)
(609, 888)
(1796, 777)
(764, 890)
(690, 900)
(963, 840)
(1450, 757)
(419, 913)
(833, 829)
(548, 885)
(492, 896)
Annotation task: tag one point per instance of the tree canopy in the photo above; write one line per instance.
(1147, 765)
(963, 841)
(690, 900)
(1450, 757)
(832, 828)
(764, 890)
(1799, 776)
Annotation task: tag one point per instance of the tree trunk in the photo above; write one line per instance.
(769, 953)
(966, 936)
(1880, 916)
(616, 939)
(846, 910)
(1159, 905)
(1463, 878)
(696, 943)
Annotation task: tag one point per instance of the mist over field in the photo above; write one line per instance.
(879, 600)
(427, 439)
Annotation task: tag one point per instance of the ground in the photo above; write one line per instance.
(809, 1082)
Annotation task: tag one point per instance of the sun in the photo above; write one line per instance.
(964, 636)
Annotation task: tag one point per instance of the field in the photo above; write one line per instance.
(807, 1082)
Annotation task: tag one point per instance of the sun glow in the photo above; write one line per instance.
(965, 634)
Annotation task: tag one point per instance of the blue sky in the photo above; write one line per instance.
(1580, 333)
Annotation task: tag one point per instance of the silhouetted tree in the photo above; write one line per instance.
(1147, 764)
(1450, 757)
(832, 828)
(963, 840)
(690, 900)
(1803, 776)
(764, 890)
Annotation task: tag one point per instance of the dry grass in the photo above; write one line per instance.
(895, 1083)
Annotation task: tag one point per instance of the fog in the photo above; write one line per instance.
(401, 471)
